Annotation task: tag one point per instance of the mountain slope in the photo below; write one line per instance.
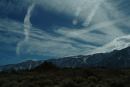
(30, 64)
(115, 59)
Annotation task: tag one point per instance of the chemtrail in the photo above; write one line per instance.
(27, 26)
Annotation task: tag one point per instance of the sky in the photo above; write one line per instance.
(44, 29)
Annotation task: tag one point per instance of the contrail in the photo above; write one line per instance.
(75, 21)
(27, 23)
(27, 26)
(92, 13)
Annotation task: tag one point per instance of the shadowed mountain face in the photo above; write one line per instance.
(46, 66)
(115, 59)
(26, 65)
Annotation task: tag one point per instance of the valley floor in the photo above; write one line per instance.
(67, 78)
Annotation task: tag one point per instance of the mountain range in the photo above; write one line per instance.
(26, 65)
(116, 59)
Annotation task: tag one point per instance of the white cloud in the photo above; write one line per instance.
(117, 44)
(104, 17)
(40, 42)
(27, 26)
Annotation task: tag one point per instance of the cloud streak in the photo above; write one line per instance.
(116, 44)
(93, 12)
(103, 17)
(27, 26)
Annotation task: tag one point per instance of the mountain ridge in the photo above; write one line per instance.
(116, 59)
(25, 65)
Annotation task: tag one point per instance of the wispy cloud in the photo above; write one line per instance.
(27, 26)
(117, 44)
(103, 16)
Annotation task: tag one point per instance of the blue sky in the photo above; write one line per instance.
(42, 29)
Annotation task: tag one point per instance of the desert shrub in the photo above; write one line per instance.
(2, 81)
(10, 84)
(92, 84)
(117, 84)
(43, 83)
(64, 78)
(1, 84)
(79, 80)
(68, 83)
(25, 83)
(88, 72)
(92, 79)
(104, 84)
